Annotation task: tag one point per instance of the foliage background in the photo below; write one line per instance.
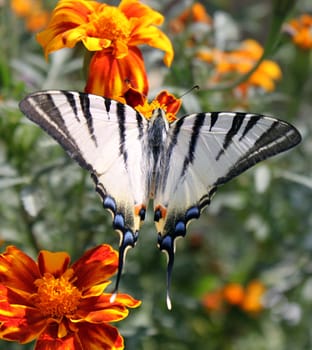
(258, 227)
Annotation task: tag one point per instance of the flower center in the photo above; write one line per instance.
(110, 23)
(56, 297)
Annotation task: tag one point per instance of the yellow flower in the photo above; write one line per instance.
(231, 65)
(300, 31)
(112, 34)
(61, 306)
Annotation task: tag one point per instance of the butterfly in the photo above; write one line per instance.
(133, 160)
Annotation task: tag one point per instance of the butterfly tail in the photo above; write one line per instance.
(128, 240)
(167, 245)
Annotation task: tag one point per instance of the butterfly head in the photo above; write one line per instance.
(159, 119)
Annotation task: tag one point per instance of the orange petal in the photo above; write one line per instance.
(95, 267)
(154, 37)
(144, 31)
(66, 18)
(100, 309)
(18, 322)
(169, 101)
(136, 9)
(111, 77)
(49, 340)
(54, 263)
(18, 270)
(99, 336)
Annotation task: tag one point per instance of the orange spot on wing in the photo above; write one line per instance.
(138, 208)
(163, 211)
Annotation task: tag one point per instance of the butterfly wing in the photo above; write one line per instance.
(204, 151)
(106, 138)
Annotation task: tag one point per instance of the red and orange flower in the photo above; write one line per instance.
(62, 306)
(164, 100)
(112, 34)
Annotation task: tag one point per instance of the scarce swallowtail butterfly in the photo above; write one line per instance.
(132, 160)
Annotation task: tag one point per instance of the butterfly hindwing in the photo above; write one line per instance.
(106, 138)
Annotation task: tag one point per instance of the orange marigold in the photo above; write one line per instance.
(112, 34)
(195, 13)
(62, 306)
(233, 293)
(32, 11)
(231, 65)
(164, 100)
(300, 30)
(252, 301)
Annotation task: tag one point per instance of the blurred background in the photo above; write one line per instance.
(243, 275)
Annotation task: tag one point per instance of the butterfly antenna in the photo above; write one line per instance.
(195, 87)
(166, 244)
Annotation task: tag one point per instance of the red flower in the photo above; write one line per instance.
(61, 306)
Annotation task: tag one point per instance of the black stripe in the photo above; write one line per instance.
(120, 110)
(107, 103)
(199, 121)
(251, 123)
(213, 119)
(139, 124)
(85, 106)
(273, 141)
(72, 102)
(236, 125)
(41, 109)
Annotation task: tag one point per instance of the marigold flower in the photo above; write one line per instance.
(213, 301)
(164, 100)
(112, 34)
(300, 30)
(233, 293)
(32, 11)
(239, 62)
(195, 13)
(61, 306)
(252, 301)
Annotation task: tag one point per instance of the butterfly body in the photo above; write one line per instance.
(132, 160)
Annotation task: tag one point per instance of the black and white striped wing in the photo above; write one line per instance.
(104, 137)
(206, 150)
